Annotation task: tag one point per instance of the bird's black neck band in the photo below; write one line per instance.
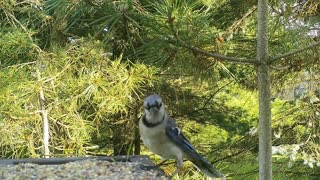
(149, 124)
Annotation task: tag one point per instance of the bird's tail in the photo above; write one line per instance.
(207, 168)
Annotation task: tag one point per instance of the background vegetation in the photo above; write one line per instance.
(96, 60)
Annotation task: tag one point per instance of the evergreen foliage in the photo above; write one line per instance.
(83, 89)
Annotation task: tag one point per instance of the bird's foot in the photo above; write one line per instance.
(176, 172)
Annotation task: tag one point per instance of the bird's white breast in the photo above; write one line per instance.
(157, 141)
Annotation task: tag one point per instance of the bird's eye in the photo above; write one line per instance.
(160, 104)
(147, 106)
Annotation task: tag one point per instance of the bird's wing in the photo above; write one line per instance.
(177, 137)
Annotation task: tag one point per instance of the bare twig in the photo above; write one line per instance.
(235, 154)
(296, 51)
(212, 95)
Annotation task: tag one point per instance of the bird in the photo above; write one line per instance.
(160, 133)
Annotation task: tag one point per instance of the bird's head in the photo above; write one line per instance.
(153, 106)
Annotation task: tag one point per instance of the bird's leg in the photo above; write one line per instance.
(179, 167)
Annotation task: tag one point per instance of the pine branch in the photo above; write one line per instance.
(215, 55)
(181, 43)
(296, 51)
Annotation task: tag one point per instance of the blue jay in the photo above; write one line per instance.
(161, 135)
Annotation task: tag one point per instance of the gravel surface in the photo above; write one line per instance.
(86, 169)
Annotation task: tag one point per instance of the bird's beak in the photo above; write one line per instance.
(152, 107)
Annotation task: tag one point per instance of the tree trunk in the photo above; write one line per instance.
(265, 156)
